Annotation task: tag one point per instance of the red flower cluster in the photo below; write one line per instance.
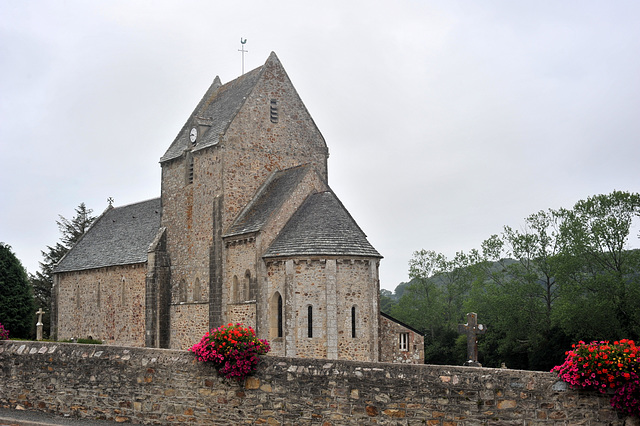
(233, 348)
(601, 366)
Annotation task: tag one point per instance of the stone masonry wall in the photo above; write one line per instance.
(107, 304)
(187, 215)
(189, 322)
(255, 146)
(390, 350)
(162, 386)
(357, 287)
(334, 289)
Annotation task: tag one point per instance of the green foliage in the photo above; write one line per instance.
(566, 275)
(386, 301)
(84, 341)
(16, 300)
(598, 270)
(42, 281)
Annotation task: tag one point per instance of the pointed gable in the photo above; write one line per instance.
(267, 200)
(321, 226)
(221, 104)
(216, 110)
(120, 236)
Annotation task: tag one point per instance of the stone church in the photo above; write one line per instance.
(246, 230)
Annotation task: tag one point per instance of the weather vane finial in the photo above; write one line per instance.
(242, 42)
(110, 201)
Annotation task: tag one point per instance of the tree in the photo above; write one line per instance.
(601, 275)
(566, 275)
(42, 282)
(386, 301)
(72, 230)
(16, 300)
(433, 302)
(420, 304)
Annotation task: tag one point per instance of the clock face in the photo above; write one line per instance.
(193, 135)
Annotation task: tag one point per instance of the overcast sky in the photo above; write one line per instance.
(445, 120)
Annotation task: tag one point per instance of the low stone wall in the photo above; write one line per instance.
(161, 386)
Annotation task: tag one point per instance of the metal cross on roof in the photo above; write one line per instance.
(242, 42)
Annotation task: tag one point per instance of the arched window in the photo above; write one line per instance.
(310, 321)
(276, 316)
(98, 294)
(123, 295)
(196, 291)
(78, 296)
(353, 321)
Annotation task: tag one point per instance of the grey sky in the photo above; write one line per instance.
(445, 120)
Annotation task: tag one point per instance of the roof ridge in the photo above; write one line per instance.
(134, 203)
(213, 87)
(346, 210)
(255, 197)
(259, 194)
(321, 226)
(260, 72)
(119, 236)
(104, 212)
(243, 85)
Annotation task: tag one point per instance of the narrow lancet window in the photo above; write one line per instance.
(280, 333)
(310, 321)
(123, 296)
(353, 321)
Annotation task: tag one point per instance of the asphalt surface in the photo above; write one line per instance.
(9, 417)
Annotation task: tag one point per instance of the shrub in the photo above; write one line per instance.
(4, 333)
(233, 349)
(603, 366)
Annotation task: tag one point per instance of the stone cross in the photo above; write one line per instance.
(472, 329)
(39, 324)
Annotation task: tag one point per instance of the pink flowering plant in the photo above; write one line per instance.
(604, 366)
(233, 348)
(4, 333)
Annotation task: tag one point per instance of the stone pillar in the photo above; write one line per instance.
(215, 267)
(290, 307)
(332, 309)
(374, 285)
(54, 307)
(157, 293)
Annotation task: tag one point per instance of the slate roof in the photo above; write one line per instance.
(269, 198)
(321, 226)
(390, 318)
(218, 107)
(120, 236)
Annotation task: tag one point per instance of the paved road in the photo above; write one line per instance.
(10, 417)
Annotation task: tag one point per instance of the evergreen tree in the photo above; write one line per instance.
(16, 301)
(71, 231)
